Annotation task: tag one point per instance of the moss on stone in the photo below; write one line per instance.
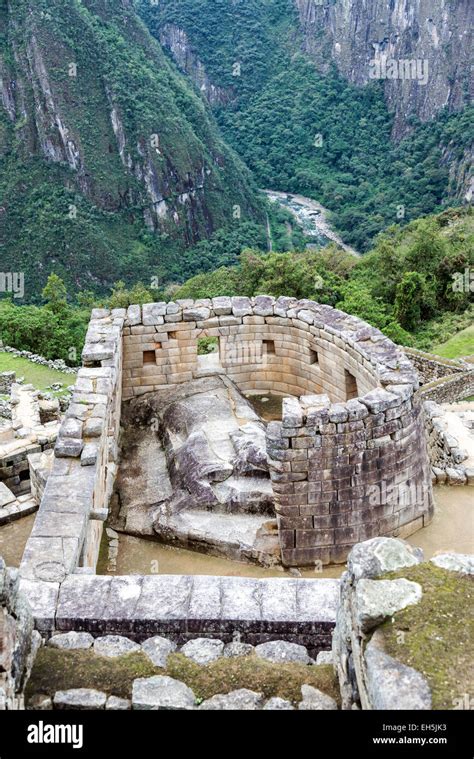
(436, 636)
(60, 670)
(228, 674)
(55, 669)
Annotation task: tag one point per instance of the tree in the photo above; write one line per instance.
(409, 300)
(55, 294)
(122, 298)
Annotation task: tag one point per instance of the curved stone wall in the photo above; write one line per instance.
(265, 345)
(349, 460)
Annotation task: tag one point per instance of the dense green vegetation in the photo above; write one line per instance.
(405, 286)
(303, 132)
(136, 131)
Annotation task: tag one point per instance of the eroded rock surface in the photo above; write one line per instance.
(194, 471)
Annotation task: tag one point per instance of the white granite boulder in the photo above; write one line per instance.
(71, 640)
(114, 645)
(79, 699)
(455, 562)
(158, 649)
(315, 700)
(161, 693)
(203, 650)
(280, 651)
(237, 700)
(374, 557)
(375, 600)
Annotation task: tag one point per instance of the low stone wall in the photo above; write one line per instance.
(443, 380)
(183, 607)
(14, 467)
(431, 367)
(57, 364)
(7, 379)
(445, 454)
(450, 389)
(68, 527)
(18, 640)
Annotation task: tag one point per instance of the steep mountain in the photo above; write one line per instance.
(290, 84)
(111, 163)
(435, 34)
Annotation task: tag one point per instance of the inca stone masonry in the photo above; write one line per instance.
(348, 461)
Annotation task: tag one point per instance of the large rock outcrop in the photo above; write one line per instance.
(194, 470)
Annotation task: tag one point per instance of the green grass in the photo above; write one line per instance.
(41, 377)
(59, 670)
(460, 345)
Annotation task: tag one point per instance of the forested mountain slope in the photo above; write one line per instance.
(297, 103)
(111, 163)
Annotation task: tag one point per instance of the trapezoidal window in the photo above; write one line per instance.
(313, 357)
(208, 358)
(269, 347)
(351, 385)
(149, 357)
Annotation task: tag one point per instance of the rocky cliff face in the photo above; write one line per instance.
(177, 42)
(89, 93)
(435, 34)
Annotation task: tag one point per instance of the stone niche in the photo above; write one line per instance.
(349, 459)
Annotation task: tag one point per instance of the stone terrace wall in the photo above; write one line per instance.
(450, 389)
(283, 346)
(184, 607)
(443, 380)
(68, 526)
(431, 367)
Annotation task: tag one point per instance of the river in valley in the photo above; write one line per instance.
(312, 218)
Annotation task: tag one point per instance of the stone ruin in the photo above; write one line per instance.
(19, 642)
(163, 442)
(29, 425)
(167, 439)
